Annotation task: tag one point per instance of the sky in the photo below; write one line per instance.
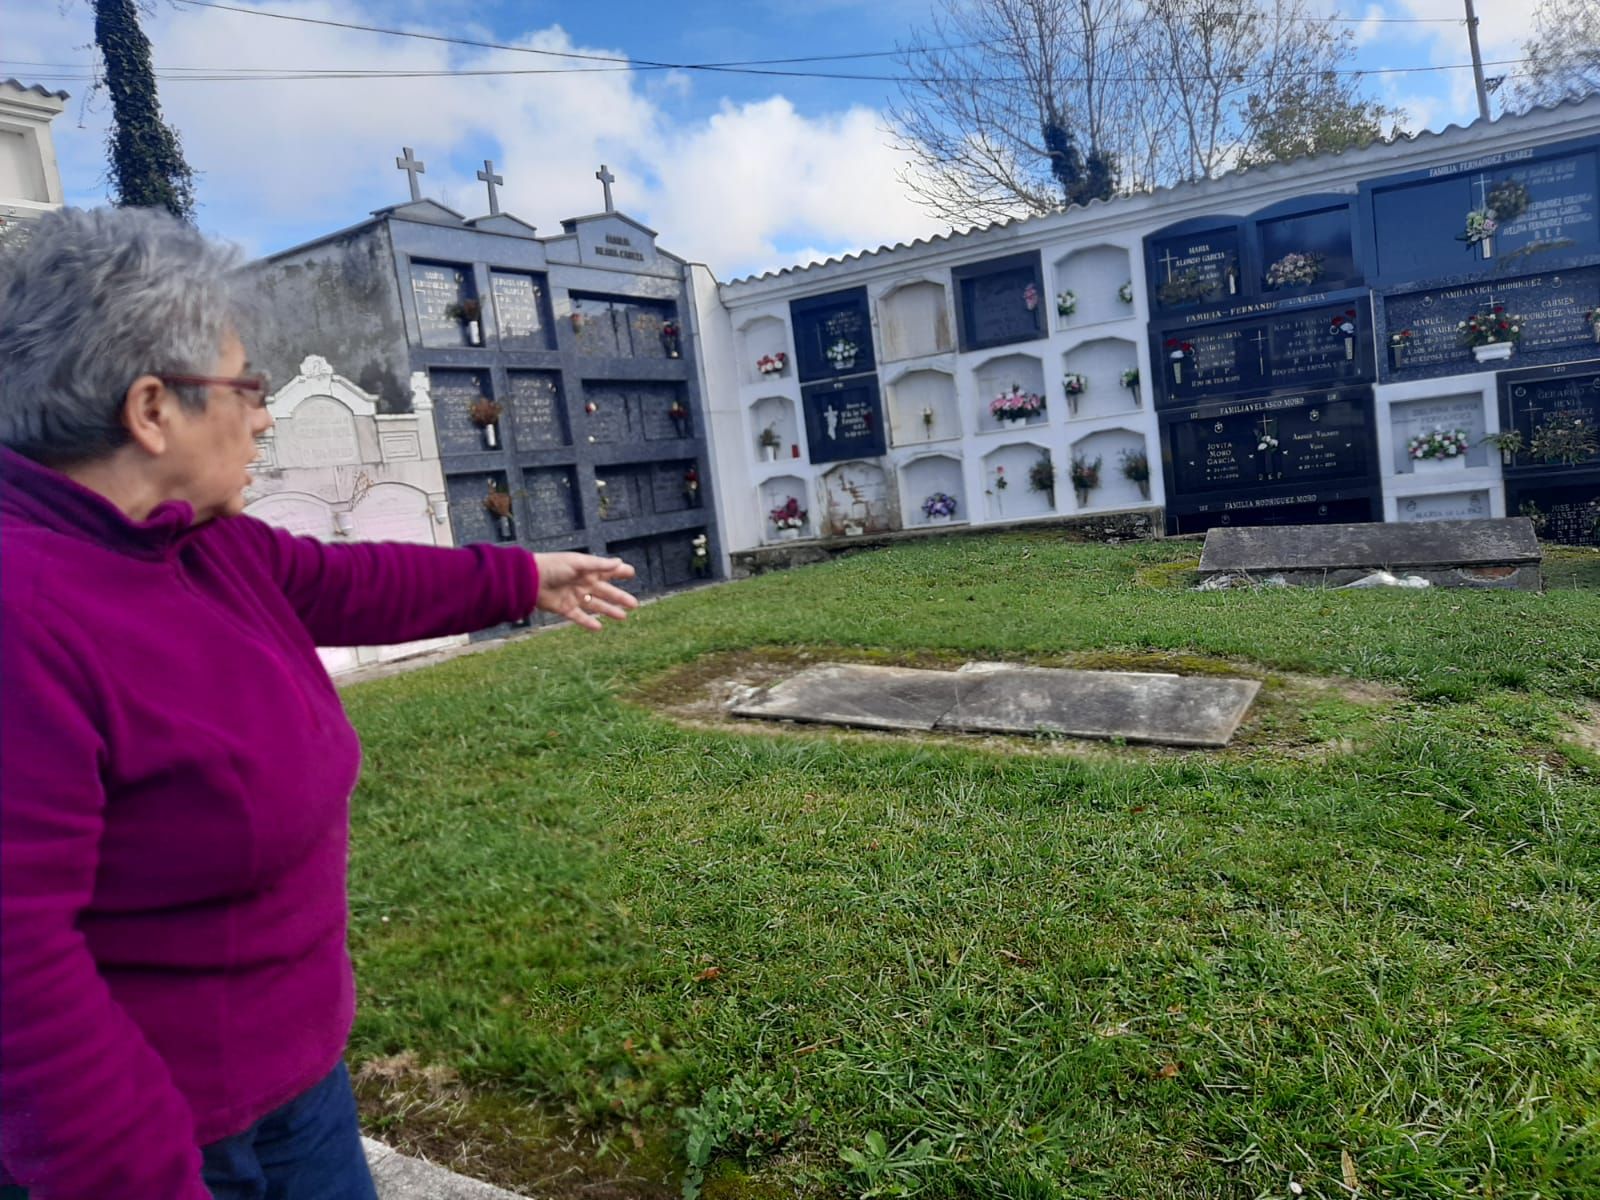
(743, 172)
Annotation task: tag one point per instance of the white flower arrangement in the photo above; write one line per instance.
(842, 353)
(1066, 304)
(1125, 292)
(1437, 443)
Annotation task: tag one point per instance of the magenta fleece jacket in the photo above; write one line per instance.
(175, 778)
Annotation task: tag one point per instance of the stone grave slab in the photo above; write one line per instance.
(999, 698)
(866, 697)
(1499, 553)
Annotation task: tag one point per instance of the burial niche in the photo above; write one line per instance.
(1020, 480)
(932, 491)
(856, 500)
(1092, 285)
(923, 408)
(915, 320)
(1011, 392)
(1101, 378)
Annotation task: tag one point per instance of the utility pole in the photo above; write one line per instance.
(1477, 62)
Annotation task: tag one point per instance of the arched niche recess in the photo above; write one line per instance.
(923, 408)
(776, 413)
(1012, 463)
(1094, 275)
(931, 475)
(1110, 446)
(775, 494)
(764, 337)
(999, 376)
(1102, 363)
(856, 499)
(914, 320)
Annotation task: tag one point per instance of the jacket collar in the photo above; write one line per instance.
(37, 495)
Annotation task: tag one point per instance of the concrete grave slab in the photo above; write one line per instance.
(865, 697)
(1163, 709)
(1500, 553)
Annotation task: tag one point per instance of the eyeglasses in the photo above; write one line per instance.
(253, 388)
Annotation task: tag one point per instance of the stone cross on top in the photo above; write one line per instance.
(606, 179)
(489, 177)
(412, 168)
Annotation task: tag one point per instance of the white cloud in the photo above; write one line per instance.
(740, 190)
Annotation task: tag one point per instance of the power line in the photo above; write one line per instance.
(307, 74)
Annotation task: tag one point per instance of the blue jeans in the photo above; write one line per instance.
(310, 1149)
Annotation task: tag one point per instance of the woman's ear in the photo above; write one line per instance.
(146, 412)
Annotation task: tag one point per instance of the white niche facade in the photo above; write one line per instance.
(776, 493)
(1095, 276)
(1008, 494)
(334, 468)
(923, 407)
(932, 477)
(1110, 447)
(774, 417)
(856, 500)
(1002, 375)
(914, 320)
(1102, 364)
(764, 341)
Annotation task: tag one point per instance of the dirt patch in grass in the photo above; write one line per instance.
(427, 1112)
(1586, 731)
(1293, 715)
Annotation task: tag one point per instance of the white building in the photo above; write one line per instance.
(30, 180)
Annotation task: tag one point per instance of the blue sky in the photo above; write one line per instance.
(743, 172)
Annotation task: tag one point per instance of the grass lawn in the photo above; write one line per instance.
(608, 941)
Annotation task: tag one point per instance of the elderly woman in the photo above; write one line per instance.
(175, 765)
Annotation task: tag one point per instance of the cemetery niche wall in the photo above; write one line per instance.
(335, 468)
(560, 373)
(1552, 451)
(1263, 356)
(1231, 344)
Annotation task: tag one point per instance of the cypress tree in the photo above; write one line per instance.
(147, 166)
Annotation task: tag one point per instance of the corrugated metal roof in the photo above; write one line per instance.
(35, 87)
(1265, 170)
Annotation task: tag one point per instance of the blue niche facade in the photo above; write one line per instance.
(560, 371)
(1261, 344)
(1512, 239)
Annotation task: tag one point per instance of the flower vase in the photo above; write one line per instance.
(769, 454)
(1014, 423)
(474, 334)
(941, 519)
(1431, 466)
(1349, 348)
(1487, 246)
(1144, 489)
(1083, 496)
(1596, 328)
(491, 436)
(1177, 370)
(1399, 355)
(786, 535)
(1072, 404)
(1493, 351)
(854, 529)
(843, 364)
(1138, 401)
(505, 529)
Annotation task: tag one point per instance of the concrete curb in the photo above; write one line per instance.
(400, 1177)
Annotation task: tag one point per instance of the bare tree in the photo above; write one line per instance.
(1011, 102)
(1023, 106)
(1563, 55)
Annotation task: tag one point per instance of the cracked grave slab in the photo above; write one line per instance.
(1131, 706)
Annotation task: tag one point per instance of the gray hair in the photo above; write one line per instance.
(89, 301)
